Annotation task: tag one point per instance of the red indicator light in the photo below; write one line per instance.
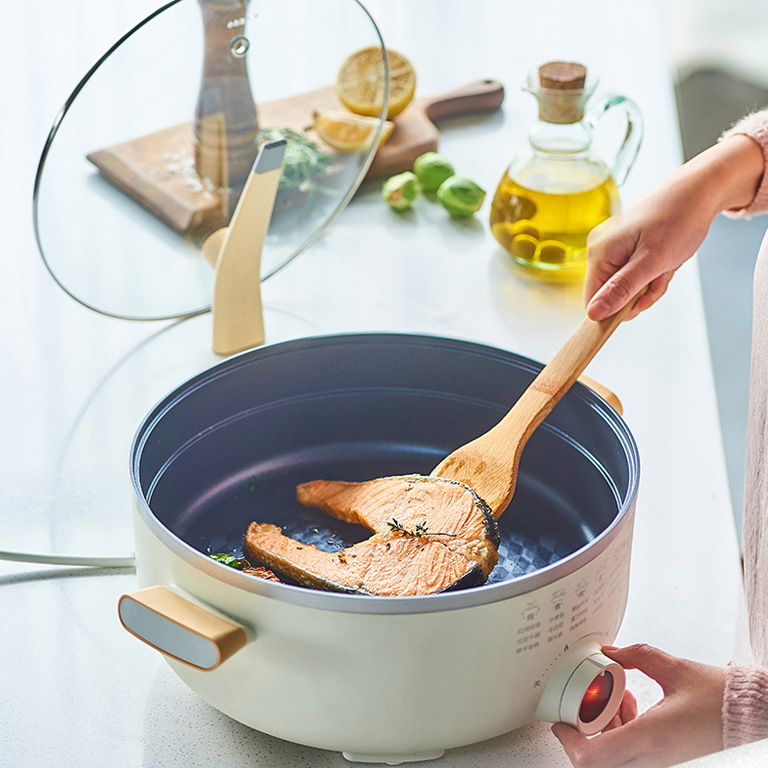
(596, 697)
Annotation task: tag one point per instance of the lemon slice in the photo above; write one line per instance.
(349, 133)
(360, 82)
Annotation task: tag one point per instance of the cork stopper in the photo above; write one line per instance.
(562, 76)
(565, 82)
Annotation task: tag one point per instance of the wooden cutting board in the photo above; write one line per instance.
(157, 171)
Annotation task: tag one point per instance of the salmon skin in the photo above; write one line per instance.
(430, 535)
(261, 573)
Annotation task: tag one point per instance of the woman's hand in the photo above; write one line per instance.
(685, 724)
(645, 245)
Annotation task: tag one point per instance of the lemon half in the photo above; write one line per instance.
(360, 82)
(347, 132)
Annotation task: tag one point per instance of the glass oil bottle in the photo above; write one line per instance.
(557, 189)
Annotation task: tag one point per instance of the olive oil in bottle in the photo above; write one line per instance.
(556, 190)
(544, 223)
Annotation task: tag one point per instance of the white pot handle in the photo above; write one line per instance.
(179, 628)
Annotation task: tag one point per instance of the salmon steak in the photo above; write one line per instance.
(430, 535)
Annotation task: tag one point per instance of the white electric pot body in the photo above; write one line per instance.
(395, 679)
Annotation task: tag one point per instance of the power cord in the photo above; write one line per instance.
(50, 559)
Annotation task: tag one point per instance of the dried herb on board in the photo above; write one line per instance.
(305, 168)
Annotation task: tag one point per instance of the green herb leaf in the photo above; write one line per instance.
(238, 563)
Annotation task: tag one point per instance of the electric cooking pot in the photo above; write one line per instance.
(382, 679)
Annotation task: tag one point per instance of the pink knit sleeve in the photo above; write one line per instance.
(745, 705)
(755, 126)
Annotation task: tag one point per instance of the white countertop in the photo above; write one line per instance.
(75, 688)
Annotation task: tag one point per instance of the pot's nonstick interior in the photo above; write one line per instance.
(231, 446)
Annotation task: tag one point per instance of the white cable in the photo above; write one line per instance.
(97, 562)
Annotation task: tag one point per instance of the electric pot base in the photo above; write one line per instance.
(380, 679)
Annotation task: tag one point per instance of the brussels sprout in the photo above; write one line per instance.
(460, 196)
(401, 190)
(432, 170)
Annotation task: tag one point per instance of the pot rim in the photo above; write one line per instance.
(374, 604)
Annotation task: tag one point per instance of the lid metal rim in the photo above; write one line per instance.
(279, 267)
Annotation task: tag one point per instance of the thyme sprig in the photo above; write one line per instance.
(420, 529)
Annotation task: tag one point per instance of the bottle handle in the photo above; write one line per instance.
(627, 152)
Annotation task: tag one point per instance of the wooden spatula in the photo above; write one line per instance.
(489, 463)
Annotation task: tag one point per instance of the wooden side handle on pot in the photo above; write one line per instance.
(180, 628)
(608, 395)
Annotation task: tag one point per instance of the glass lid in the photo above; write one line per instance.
(151, 151)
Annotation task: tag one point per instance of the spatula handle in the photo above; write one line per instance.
(559, 375)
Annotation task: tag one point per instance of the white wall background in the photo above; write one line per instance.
(731, 35)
